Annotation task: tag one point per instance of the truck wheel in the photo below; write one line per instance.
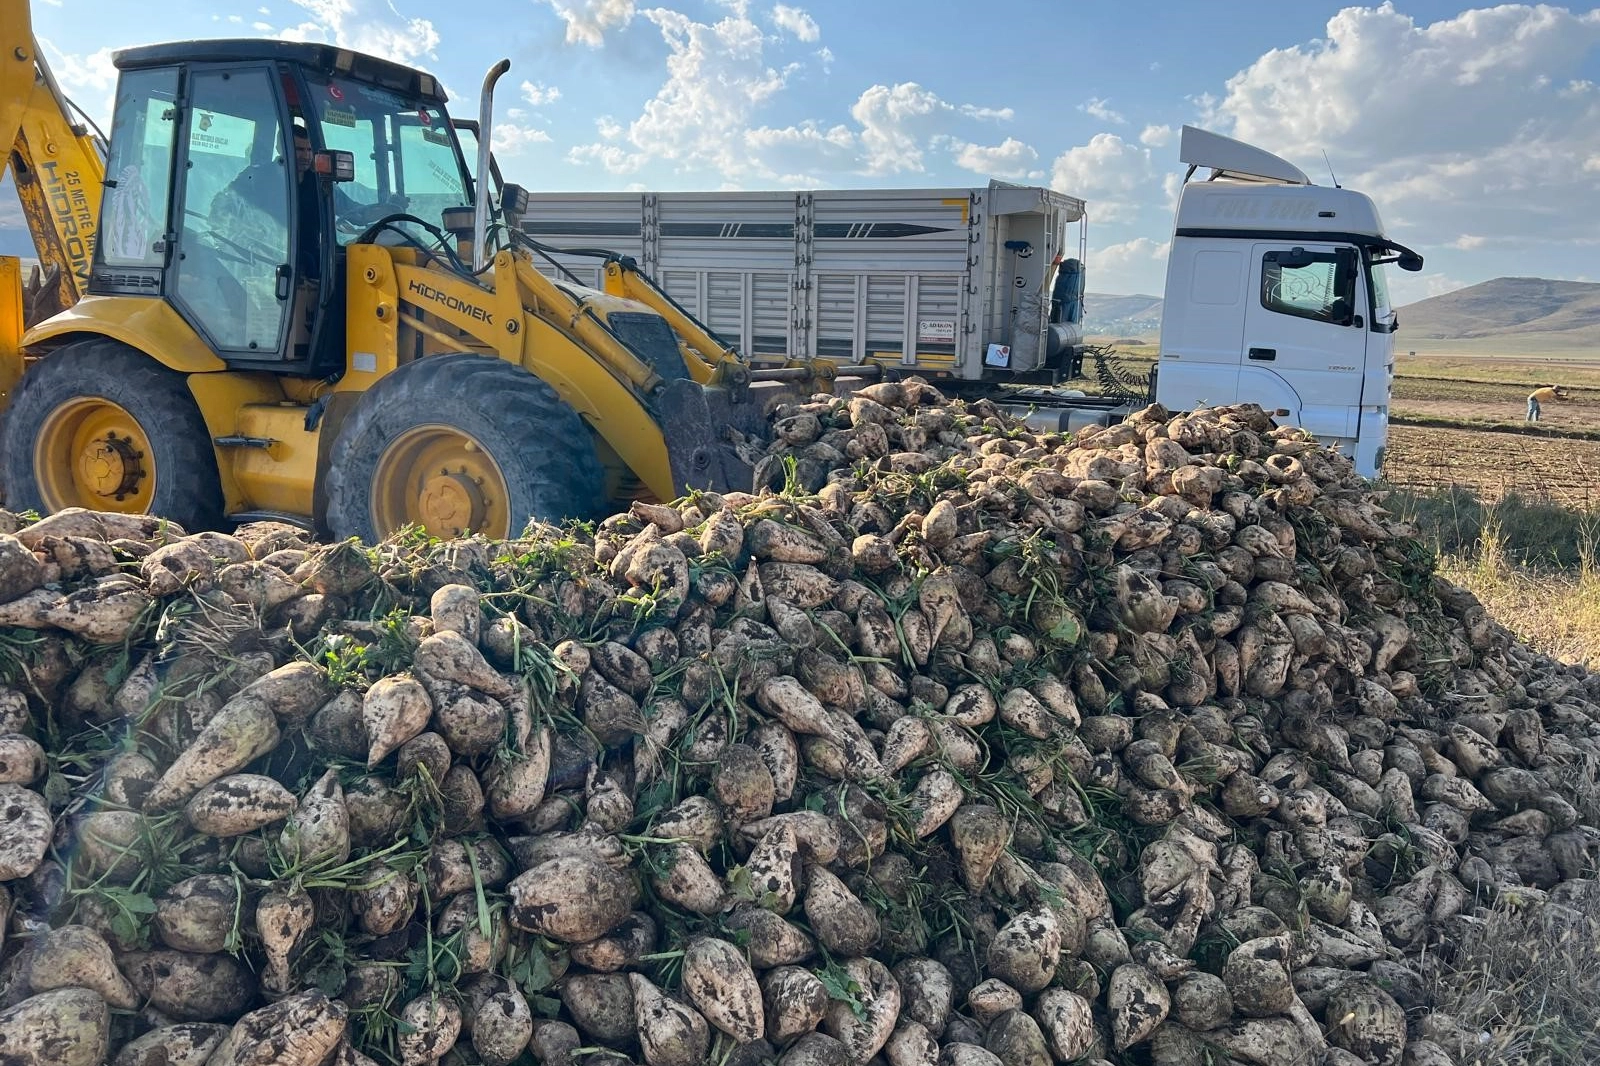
(103, 426)
(458, 444)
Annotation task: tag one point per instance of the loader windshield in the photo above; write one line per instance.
(406, 157)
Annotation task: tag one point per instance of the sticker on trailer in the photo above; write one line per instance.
(936, 331)
(998, 355)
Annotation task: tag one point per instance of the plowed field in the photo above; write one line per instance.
(1493, 464)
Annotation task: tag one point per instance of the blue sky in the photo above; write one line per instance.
(1477, 130)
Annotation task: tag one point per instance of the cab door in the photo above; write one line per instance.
(1305, 336)
(232, 275)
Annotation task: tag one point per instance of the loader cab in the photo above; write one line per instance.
(1276, 295)
(239, 171)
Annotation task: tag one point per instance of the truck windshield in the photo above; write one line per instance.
(406, 158)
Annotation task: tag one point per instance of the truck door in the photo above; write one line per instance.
(1305, 337)
(233, 268)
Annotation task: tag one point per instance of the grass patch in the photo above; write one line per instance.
(1526, 975)
(1535, 564)
(1554, 611)
(1515, 529)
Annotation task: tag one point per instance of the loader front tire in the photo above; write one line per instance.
(103, 426)
(459, 444)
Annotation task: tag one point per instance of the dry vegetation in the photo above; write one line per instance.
(1524, 978)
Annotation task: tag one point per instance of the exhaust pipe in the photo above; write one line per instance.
(480, 204)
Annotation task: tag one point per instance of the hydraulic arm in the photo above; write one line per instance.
(56, 162)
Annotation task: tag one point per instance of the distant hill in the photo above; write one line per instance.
(1565, 311)
(1105, 315)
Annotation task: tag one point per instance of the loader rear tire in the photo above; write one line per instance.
(457, 444)
(103, 426)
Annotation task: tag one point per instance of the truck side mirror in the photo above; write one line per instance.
(1410, 261)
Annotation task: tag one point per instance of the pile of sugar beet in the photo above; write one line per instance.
(955, 743)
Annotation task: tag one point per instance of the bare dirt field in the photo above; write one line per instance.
(1493, 464)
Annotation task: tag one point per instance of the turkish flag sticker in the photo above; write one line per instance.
(333, 91)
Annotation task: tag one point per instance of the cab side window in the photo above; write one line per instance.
(139, 170)
(1315, 285)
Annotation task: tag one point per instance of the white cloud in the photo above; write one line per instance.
(717, 75)
(510, 138)
(1113, 175)
(1468, 242)
(795, 21)
(900, 122)
(1128, 267)
(1493, 131)
(367, 26)
(539, 94)
(1156, 136)
(88, 80)
(1010, 159)
(1098, 108)
(721, 76)
(825, 57)
(588, 21)
(988, 114)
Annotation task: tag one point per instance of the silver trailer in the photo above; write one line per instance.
(971, 284)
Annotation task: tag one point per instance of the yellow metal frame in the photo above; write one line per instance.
(60, 181)
(11, 324)
(147, 323)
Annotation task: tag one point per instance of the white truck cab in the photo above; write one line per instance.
(1275, 295)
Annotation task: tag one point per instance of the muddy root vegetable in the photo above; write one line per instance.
(865, 1032)
(1138, 1003)
(302, 1030)
(722, 986)
(241, 731)
(435, 1026)
(188, 987)
(394, 710)
(670, 1033)
(502, 1028)
(75, 955)
(979, 834)
(61, 1027)
(189, 1044)
(198, 913)
(572, 898)
(283, 918)
(237, 804)
(795, 1003)
(845, 925)
(25, 828)
(318, 832)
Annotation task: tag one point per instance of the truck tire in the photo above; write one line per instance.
(103, 426)
(457, 444)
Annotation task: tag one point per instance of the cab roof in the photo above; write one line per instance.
(324, 59)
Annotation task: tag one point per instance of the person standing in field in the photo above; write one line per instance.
(1543, 395)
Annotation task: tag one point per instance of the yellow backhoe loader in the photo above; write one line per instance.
(285, 296)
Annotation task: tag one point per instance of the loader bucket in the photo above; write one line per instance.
(696, 421)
